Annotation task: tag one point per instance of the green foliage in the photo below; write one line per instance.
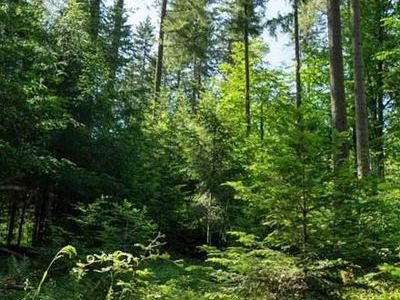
(68, 251)
(80, 132)
(251, 270)
(112, 225)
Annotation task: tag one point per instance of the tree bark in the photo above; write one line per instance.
(338, 101)
(247, 68)
(36, 217)
(22, 221)
(11, 220)
(44, 208)
(160, 54)
(361, 112)
(380, 117)
(262, 121)
(380, 125)
(298, 54)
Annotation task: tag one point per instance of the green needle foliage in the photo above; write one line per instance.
(256, 160)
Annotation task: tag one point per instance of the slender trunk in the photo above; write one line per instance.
(208, 220)
(143, 66)
(298, 55)
(380, 118)
(208, 233)
(22, 221)
(36, 219)
(194, 87)
(300, 146)
(94, 18)
(199, 81)
(338, 101)
(11, 221)
(178, 79)
(380, 127)
(43, 212)
(262, 122)
(160, 54)
(247, 68)
(304, 225)
(116, 37)
(361, 112)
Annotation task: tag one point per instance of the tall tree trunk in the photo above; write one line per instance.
(380, 118)
(11, 220)
(178, 79)
(338, 101)
(94, 18)
(116, 36)
(262, 121)
(160, 54)
(42, 212)
(297, 52)
(361, 112)
(380, 125)
(22, 220)
(247, 68)
(193, 100)
(300, 146)
(36, 218)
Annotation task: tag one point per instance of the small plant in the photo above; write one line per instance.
(113, 225)
(126, 273)
(66, 251)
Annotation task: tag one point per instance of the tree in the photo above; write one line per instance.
(143, 42)
(244, 22)
(117, 34)
(375, 67)
(361, 112)
(247, 63)
(297, 52)
(338, 99)
(160, 52)
(95, 18)
(189, 31)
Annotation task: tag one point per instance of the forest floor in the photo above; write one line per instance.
(178, 280)
(187, 279)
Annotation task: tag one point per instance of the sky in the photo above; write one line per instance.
(281, 54)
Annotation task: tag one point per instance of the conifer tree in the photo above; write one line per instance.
(361, 113)
(189, 29)
(244, 22)
(160, 52)
(338, 100)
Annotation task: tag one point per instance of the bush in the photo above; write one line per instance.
(250, 270)
(112, 225)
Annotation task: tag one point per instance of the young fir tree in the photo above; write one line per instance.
(189, 30)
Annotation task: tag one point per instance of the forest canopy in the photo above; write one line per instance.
(172, 160)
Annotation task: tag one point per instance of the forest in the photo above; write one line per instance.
(171, 159)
